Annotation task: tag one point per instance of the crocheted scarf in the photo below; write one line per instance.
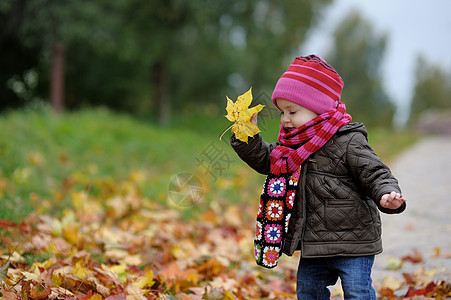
(279, 190)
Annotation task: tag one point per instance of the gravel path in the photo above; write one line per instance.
(424, 174)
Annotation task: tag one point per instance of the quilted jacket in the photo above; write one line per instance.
(336, 211)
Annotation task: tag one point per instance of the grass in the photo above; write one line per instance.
(388, 144)
(46, 160)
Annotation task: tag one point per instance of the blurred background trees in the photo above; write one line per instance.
(432, 88)
(357, 55)
(146, 56)
(153, 58)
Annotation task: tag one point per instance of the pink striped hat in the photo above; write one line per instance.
(311, 83)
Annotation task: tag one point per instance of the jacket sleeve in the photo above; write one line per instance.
(373, 175)
(256, 153)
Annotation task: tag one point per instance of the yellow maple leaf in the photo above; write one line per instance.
(70, 233)
(96, 297)
(121, 271)
(45, 264)
(228, 296)
(80, 271)
(147, 280)
(240, 113)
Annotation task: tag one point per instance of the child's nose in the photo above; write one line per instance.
(285, 118)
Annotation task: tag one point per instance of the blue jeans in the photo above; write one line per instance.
(315, 274)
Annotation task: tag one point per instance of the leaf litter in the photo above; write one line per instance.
(120, 245)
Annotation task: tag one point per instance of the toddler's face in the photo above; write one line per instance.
(293, 115)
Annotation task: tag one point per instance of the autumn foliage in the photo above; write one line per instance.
(120, 245)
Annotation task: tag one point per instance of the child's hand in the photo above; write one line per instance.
(254, 119)
(392, 201)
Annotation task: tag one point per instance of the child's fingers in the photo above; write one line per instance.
(385, 200)
(392, 200)
(254, 119)
(400, 198)
(393, 195)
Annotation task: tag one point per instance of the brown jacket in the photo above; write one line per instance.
(336, 206)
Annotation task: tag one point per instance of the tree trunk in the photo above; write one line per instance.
(57, 79)
(160, 96)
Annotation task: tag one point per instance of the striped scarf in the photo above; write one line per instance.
(279, 190)
(307, 139)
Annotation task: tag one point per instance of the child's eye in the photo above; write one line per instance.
(292, 112)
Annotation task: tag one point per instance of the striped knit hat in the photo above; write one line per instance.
(311, 83)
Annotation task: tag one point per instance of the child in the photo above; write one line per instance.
(324, 188)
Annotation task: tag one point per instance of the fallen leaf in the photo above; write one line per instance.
(134, 293)
(392, 283)
(32, 276)
(386, 292)
(117, 207)
(216, 294)
(39, 292)
(4, 271)
(116, 297)
(15, 258)
(394, 263)
(120, 270)
(87, 296)
(8, 295)
(106, 276)
(96, 297)
(132, 260)
(425, 291)
(146, 280)
(415, 258)
(70, 233)
(437, 251)
(443, 290)
(45, 264)
(409, 278)
(80, 271)
(228, 296)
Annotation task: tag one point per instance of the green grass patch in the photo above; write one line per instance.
(389, 143)
(31, 258)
